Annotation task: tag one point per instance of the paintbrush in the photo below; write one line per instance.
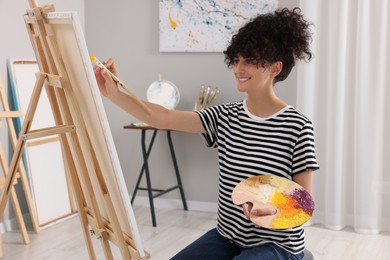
(200, 98)
(206, 97)
(97, 62)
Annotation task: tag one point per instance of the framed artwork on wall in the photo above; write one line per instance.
(205, 25)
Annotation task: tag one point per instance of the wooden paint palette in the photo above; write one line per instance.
(294, 205)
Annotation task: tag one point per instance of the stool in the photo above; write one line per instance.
(307, 255)
(153, 193)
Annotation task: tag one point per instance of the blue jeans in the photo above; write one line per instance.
(213, 246)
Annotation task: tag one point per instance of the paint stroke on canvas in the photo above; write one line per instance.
(205, 25)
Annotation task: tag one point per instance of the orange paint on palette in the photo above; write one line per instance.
(287, 205)
(290, 212)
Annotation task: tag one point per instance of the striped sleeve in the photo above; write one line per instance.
(209, 118)
(304, 152)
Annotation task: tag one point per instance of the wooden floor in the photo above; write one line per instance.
(177, 228)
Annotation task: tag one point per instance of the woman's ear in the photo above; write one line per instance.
(276, 68)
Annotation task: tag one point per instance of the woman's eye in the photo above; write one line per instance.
(251, 61)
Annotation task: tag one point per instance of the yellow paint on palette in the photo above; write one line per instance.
(285, 223)
(290, 214)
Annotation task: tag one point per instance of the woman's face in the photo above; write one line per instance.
(251, 76)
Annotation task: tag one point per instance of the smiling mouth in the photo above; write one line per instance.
(243, 79)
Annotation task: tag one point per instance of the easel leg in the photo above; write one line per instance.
(10, 178)
(1, 245)
(71, 170)
(72, 199)
(22, 173)
(107, 250)
(111, 214)
(75, 148)
(19, 216)
(14, 200)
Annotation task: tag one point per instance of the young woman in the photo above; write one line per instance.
(259, 135)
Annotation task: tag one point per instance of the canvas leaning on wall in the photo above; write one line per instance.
(205, 25)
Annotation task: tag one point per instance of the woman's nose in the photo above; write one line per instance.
(239, 66)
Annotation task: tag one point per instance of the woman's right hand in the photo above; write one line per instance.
(107, 85)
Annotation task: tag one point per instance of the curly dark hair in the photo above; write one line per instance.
(283, 35)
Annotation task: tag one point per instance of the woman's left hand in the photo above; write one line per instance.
(258, 212)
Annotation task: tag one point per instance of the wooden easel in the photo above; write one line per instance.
(79, 154)
(22, 78)
(20, 175)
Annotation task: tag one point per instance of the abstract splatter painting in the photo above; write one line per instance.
(205, 25)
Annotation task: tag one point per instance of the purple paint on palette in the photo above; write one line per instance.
(304, 200)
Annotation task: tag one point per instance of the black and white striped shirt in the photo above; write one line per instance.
(281, 145)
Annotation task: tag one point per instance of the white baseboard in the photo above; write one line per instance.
(12, 224)
(2, 228)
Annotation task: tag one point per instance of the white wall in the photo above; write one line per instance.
(15, 43)
(128, 32)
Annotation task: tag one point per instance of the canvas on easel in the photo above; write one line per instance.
(82, 126)
(49, 184)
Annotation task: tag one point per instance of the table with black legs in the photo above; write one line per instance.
(146, 150)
